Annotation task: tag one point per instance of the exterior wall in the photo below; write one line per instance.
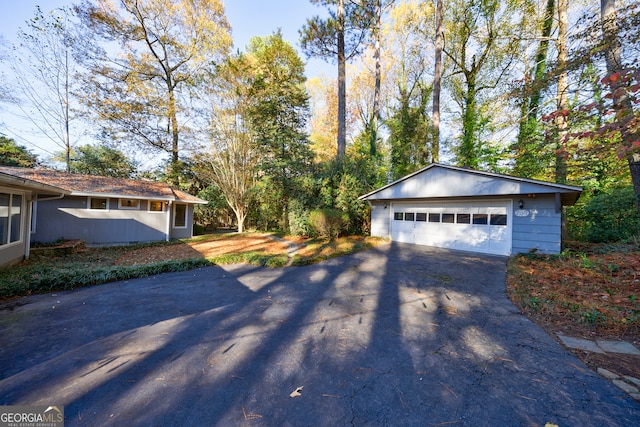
(14, 252)
(380, 219)
(540, 229)
(70, 218)
(182, 232)
(442, 182)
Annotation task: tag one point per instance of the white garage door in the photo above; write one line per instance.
(469, 226)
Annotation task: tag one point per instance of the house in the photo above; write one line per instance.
(107, 211)
(465, 209)
(16, 195)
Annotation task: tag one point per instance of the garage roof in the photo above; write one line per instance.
(444, 181)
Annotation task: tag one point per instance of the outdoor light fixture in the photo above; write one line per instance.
(520, 203)
(385, 206)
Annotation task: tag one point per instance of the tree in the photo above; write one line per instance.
(44, 68)
(278, 112)
(139, 93)
(482, 44)
(527, 147)
(99, 160)
(12, 154)
(619, 77)
(339, 37)
(437, 83)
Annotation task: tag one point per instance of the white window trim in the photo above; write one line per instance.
(12, 193)
(100, 210)
(186, 216)
(131, 208)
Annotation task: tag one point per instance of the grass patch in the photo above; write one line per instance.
(317, 250)
(592, 287)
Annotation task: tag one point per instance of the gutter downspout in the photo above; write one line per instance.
(31, 219)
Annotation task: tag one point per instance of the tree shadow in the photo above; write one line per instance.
(397, 335)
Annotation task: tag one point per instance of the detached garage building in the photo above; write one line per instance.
(465, 209)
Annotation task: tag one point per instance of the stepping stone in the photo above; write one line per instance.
(608, 374)
(627, 388)
(580, 344)
(622, 347)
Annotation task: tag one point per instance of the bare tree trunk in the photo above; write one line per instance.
(621, 104)
(67, 138)
(376, 92)
(563, 22)
(437, 80)
(342, 82)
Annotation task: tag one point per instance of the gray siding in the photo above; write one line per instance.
(380, 220)
(69, 218)
(539, 230)
(183, 232)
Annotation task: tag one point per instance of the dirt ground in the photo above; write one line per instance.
(202, 249)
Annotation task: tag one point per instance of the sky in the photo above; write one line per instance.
(248, 18)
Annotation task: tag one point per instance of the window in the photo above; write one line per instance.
(16, 218)
(129, 204)
(498, 219)
(448, 218)
(4, 218)
(421, 216)
(398, 216)
(180, 215)
(155, 206)
(480, 219)
(409, 216)
(98, 203)
(434, 217)
(463, 218)
(10, 218)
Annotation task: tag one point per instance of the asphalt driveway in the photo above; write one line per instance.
(398, 335)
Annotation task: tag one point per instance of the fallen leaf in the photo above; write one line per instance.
(296, 392)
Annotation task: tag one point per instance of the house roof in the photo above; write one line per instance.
(91, 185)
(28, 184)
(441, 181)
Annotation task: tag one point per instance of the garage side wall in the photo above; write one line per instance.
(536, 226)
(380, 220)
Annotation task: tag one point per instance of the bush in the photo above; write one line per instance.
(608, 217)
(327, 223)
(299, 219)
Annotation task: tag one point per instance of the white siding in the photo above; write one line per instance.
(380, 220)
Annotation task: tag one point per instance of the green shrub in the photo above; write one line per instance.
(327, 223)
(299, 219)
(607, 217)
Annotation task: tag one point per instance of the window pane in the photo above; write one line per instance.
(129, 203)
(421, 216)
(4, 218)
(398, 216)
(498, 219)
(98, 203)
(464, 218)
(181, 216)
(480, 219)
(155, 206)
(16, 217)
(434, 217)
(448, 218)
(409, 216)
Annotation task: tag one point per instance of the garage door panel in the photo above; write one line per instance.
(471, 226)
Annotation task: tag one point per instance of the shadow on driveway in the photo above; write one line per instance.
(397, 335)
